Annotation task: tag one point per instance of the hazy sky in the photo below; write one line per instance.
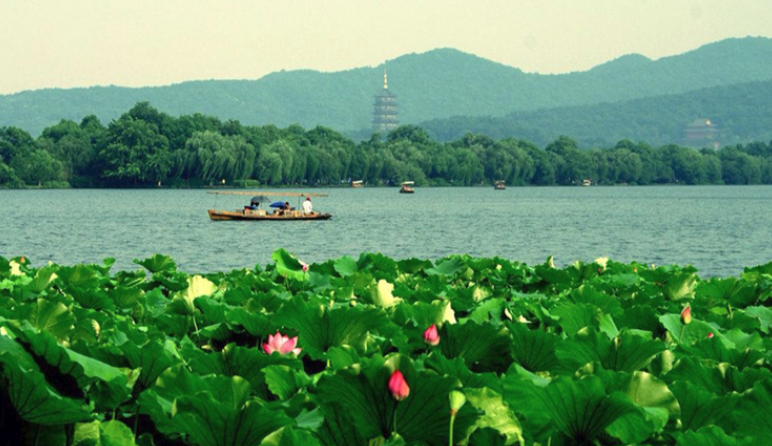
(80, 43)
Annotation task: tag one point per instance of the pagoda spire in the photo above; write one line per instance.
(385, 108)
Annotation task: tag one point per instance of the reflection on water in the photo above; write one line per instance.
(718, 229)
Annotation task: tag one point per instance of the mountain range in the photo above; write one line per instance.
(438, 88)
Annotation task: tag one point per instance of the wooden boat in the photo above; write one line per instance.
(255, 214)
(499, 185)
(406, 189)
(356, 184)
(260, 215)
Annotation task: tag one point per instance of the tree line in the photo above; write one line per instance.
(148, 148)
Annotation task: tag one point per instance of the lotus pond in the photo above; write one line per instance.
(373, 351)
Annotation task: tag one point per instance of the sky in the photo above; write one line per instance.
(133, 43)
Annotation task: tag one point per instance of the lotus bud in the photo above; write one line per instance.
(282, 344)
(457, 400)
(398, 386)
(431, 336)
(710, 335)
(304, 266)
(686, 314)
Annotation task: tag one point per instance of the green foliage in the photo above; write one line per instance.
(562, 356)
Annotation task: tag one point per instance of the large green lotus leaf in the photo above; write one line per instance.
(320, 327)
(104, 433)
(379, 265)
(483, 347)
(574, 317)
(287, 265)
(751, 415)
(413, 266)
(713, 436)
(212, 311)
(497, 415)
(700, 407)
(125, 298)
(657, 402)
(456, 368)
(490, 310)
(680, 286)
(152, 358)
(381, 294)
(586, 347)
(256, 324)
(93, 298)
(346, 266)
(720, 379)
(720, 349)
(640, 317)
(715, 291)
(744, 295)
(43, 278)
(183, 302)
(34, 399)
(157, 263)
(48, 315)
(682, 333)
(581, 410)
(422, 418)
(212, 410)
(248, 363)
(422, 314)
(288, 436)
(763, 315)
(284, 381)
(337, 429)
(605, 303)
(169, 281)
(534, 349)
(629, 352)
(78, 276)
(448, 267)
(108, 386)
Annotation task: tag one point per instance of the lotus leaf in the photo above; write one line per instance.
(157, 263)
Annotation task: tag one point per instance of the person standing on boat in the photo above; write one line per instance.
(308, 208)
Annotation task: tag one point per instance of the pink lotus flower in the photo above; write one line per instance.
(710, 335)
(282, 344)
(398, 386)
(430, 335)
(304, 266)
(686, 314)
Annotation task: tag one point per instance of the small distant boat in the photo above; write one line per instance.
(586, 182)
(406, 189)
(499, 185)
(356, 184)
(254, 213)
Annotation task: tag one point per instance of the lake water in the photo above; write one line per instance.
(718, 229)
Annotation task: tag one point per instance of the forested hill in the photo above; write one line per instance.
(741, 112)
(433, 85)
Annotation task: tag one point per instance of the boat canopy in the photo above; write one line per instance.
(357, 182)
(268, 194)
(407, 183)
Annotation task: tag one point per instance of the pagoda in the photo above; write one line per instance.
(385, 109)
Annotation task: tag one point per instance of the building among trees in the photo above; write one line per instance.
(702, 132)
(385, 109)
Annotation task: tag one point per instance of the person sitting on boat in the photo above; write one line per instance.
(308, 208)
(284, 209)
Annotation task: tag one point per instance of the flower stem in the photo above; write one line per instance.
(394, 423)
(450, 434)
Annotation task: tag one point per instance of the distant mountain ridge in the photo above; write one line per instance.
(741, 112)
(438, 84)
